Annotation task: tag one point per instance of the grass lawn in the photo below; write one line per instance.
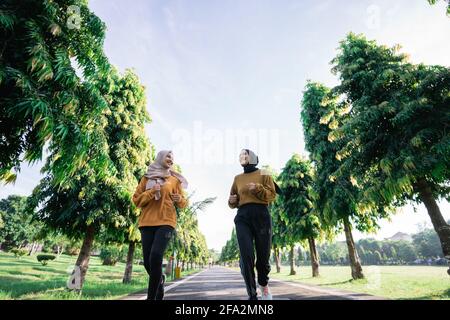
(26, 278)
(394, 282)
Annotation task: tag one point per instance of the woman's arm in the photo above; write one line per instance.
(234, 191)
(183, 201)
(265, 191)
(141, 196)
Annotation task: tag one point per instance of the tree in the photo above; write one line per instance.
(94, 201)
(18, 229)
(393, 253)
(230, 252)
(332, 253)
(189, 243)
(2, 225)
(396, 142)
(427, 244)
(336, 197)
(54, 242)
(41, 97)
(130, 152)
(406, 252)
(214, 255)
(279, 228)
(297, 213)
(377, 257)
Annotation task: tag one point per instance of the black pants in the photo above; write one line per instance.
(154, 243)
(254, 224)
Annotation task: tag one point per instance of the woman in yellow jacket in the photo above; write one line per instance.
(157, 194)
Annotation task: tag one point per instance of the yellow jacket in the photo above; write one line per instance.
(158, 212)
(264, 193)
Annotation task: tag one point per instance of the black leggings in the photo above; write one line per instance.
(254, 224)
(154, 243)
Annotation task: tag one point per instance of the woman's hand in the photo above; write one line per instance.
(233, 199)
(175, 197)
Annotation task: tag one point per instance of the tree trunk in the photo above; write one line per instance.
(276, 252)
(30, 252)
(292, 261)
(441, 227)
(355, 263)
(82, 263)
(129, 265)
(35, 247)
(169, 267)
(314, 257)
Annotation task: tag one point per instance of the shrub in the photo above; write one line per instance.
(44, 258)
(19, 252)
(72, 249)
(110, 255)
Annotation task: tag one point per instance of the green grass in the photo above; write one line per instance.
(394, 282)
(26, 278)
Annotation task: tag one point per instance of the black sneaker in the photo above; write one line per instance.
(160, 294)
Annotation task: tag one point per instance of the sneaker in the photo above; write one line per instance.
(160, 294)
(265, 293)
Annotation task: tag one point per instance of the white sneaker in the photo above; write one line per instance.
(265, 293)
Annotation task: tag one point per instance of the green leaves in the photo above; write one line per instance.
(40, 91)
(230, 252)
(408, 121)
(7, 19)
(295, 205)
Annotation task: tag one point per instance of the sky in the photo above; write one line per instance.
(225, 75)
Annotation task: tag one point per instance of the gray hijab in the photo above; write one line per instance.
(158, 171)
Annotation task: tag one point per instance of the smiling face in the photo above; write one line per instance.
(243, 158)
(168, 160)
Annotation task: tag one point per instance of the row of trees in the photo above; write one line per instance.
(379, 139)
(423, 248)
(58, 90)
(376, 141)
(189, 246)
(21, 230)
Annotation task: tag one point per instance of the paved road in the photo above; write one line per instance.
(219, 283)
